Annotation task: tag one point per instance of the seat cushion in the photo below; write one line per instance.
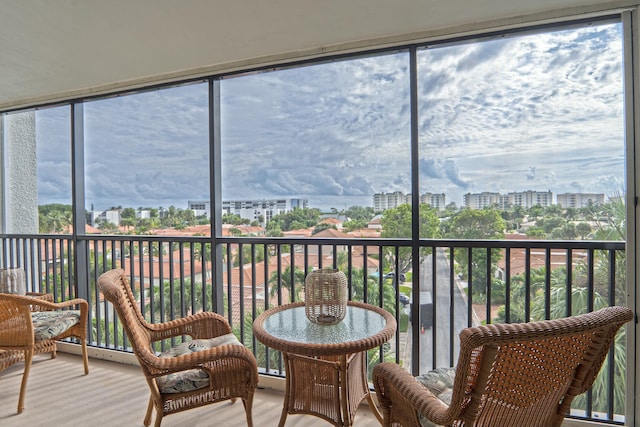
(192, 379)
(440, 383)
(49, 324)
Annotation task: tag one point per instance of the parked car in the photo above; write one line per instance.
(392, 275)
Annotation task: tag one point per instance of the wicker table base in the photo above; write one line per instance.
(326, 365)
(329, 387)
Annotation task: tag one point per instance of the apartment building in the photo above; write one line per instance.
(527, 199)
(580, 200)
(437, 201)
(384, 201)
(481, 200)
(261, 210)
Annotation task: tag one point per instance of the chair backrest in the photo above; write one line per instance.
(16, 327)
(114, 285)
(527, 374)
(13, 281)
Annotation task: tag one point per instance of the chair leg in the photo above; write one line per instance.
(28, 357)
(248, 403)
(85, 357)
(147, 417)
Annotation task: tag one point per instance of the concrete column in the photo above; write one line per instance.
(20, 174)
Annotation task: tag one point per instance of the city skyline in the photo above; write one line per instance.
(206, 203)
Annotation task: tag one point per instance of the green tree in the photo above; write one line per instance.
(295, 219)
(360, 213)
(202, 253)
(583, 229)
(54, 217)
(250, 253)
(565, 232)
(128, 213)
(535, 232)
(288, 281)
(321, 227)
(176, 298)
(396, 223)
(548, 224)
(274, 232)
(472, 224)
(610, 219)
(234, 219)
(354, 225)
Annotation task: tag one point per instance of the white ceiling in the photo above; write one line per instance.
(57, 49)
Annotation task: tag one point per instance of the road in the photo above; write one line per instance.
(448, 312)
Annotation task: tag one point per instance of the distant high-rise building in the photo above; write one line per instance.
(253, 210)
(437, 201)
(580, 200)
(527, 199)
(384, 201)
(481, 200)
(112, 216)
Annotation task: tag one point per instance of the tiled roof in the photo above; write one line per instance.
(302, 232)
(333, 233)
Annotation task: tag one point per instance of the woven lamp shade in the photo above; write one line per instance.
(325, 296)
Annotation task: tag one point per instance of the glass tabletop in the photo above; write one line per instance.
(292, 325)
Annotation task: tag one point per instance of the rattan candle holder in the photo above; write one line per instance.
(325, 296)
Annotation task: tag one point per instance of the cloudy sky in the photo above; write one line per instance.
(536, 112)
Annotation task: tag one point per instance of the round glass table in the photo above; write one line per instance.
(326, 365)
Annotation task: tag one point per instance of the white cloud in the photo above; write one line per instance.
(536, 112)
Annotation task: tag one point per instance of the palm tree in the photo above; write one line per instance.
(202, 253)
(288, 281)
(175, 300)
(55, 221)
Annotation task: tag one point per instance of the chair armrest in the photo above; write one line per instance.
(400, 394)
(82, 304)
(198, 326)
(40, 295)
(43, 301)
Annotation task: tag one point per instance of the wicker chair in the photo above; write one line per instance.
(507, 375)
(30, 324)
(210, 368)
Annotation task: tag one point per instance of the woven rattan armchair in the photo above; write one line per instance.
(9, 357)
(210, 368)
(30, 324)
(507, 375)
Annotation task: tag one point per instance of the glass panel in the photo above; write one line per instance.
(147, 159)
(523, 122)
(53, 151)
(525, 137)
(325, 137)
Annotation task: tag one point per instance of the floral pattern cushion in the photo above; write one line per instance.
(440, 383)
(192, 379)
(50, 324)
